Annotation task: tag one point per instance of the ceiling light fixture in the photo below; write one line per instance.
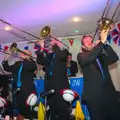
(76, 19)
(7, 28)
(76, 31)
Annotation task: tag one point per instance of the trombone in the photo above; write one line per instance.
(13, 50)
(45, 34)
(105, 23)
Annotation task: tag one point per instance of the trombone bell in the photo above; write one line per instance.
(104, 24)
(45, 32)
(13, 48)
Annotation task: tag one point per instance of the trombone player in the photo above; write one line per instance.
(98, 87)
(54, 62)
(22, 73)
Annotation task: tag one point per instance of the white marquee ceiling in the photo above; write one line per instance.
(32, 15)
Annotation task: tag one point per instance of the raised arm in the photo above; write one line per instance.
(60, 54)
(86, 58)
(41, 57)
(9, 68)
(76, 67)
(30, 65)
(110, 57)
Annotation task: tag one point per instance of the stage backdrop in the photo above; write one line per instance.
(74, 44)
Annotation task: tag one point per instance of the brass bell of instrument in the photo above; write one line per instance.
(13, 48)
(104, 24)
(45, 32)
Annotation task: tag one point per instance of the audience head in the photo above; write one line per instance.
(53, 42)
(69, 58)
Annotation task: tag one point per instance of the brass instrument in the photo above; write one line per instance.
(45, 33)
(104, 24)
(14, 49)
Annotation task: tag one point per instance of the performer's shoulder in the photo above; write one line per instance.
(17, 62)
(80, 53)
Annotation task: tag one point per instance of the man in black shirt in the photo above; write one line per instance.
(54, 62)
(94, 60)
(22, 73)
(72, 67)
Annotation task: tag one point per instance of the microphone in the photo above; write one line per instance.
(44, 94)
(104, 52)
(17, 90)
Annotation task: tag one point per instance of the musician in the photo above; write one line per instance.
(39, 73)
(72, 67)
(13, 59)
(22, 72)
(4, 83)
(54, 62)
(94, 60)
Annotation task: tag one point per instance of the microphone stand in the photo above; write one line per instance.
(13, 102)
(45, 112)
(45, 96)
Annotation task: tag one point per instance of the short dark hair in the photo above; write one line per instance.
(85, 37)
(13, 45)
(70, 54)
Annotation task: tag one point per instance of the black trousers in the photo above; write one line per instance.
(59, 108)
(113, 106)
(106, 107)
(96, 110)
